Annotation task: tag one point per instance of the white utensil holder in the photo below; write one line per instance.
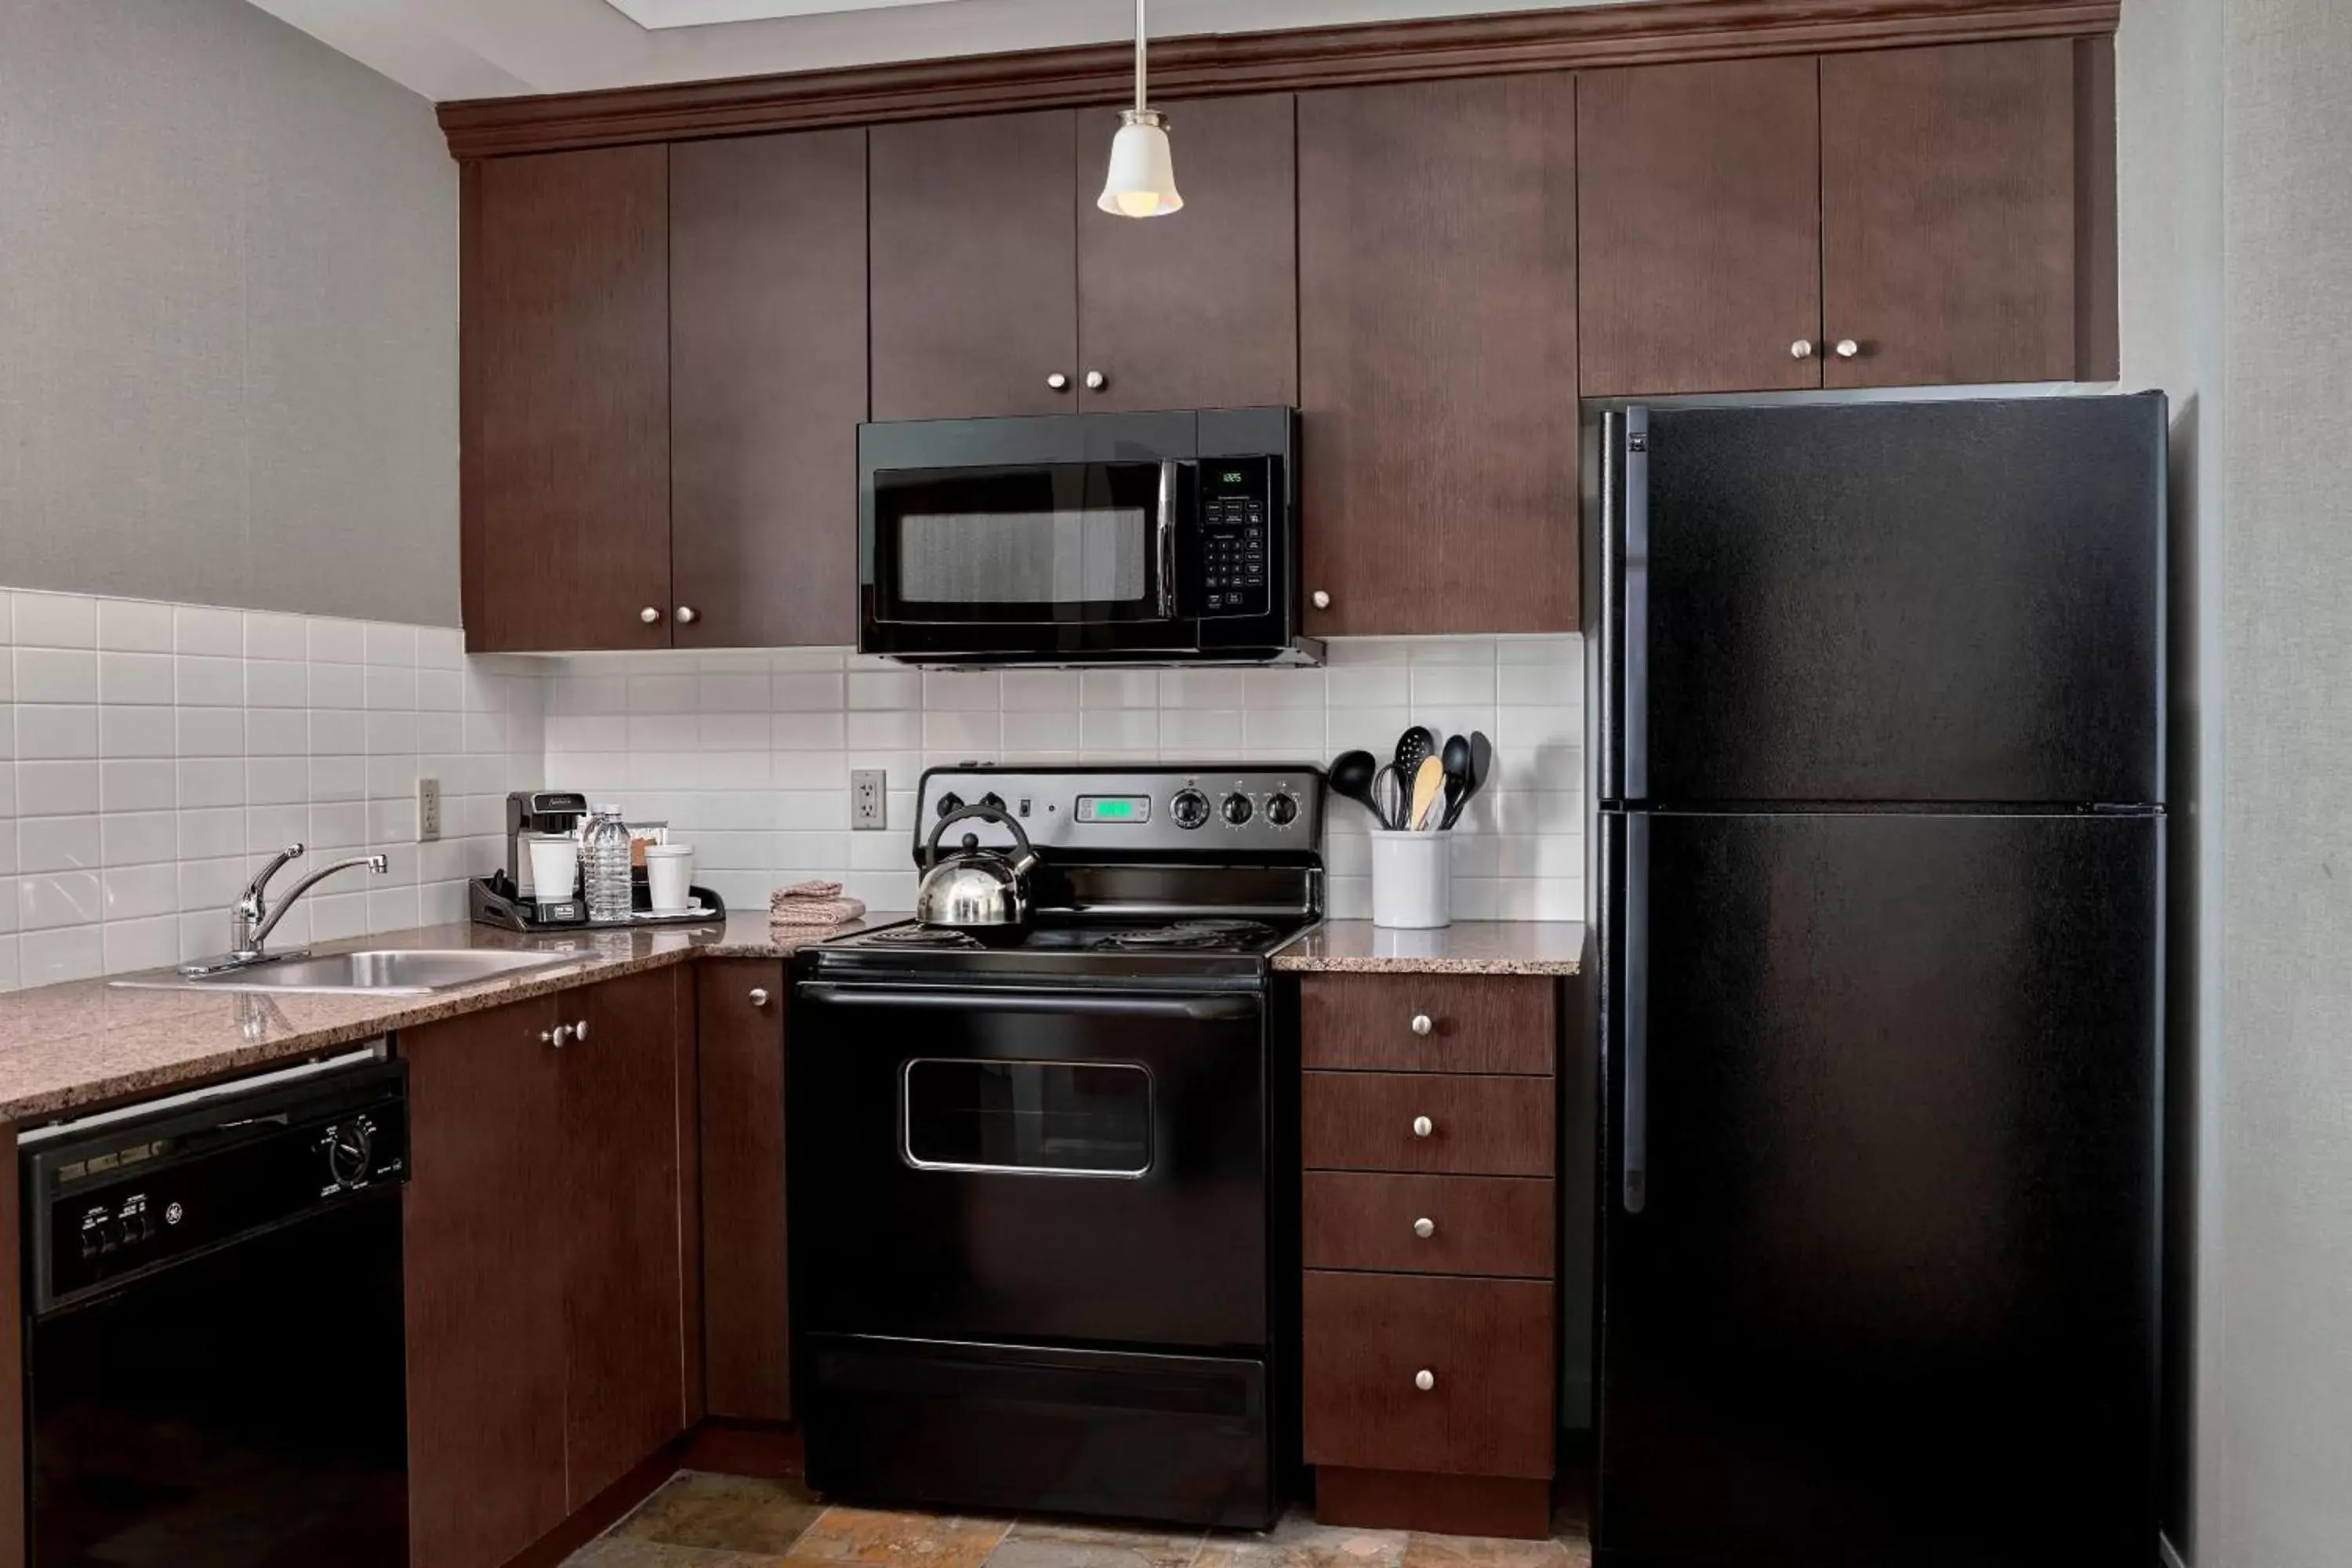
(1413, 879)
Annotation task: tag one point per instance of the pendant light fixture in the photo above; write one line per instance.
(1142, 182)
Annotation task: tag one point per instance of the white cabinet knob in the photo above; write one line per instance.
(559, 1037)
(1423, 1127)
(1096, 381)
(650, 615)
(1321, 600)
(1421, 1024)
(1801, 349)
(1059, 382)
(1425, 1228)
(1424, 1380)
(580, 1030)
(685, 616)
(1847, 348)
(759, 995)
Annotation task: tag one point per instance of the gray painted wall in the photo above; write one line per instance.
(229, 316)
(2275, 1484)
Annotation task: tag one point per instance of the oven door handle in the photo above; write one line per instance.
(1167, 539)
(1205, 1009)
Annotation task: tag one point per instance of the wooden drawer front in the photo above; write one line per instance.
(1478, 1126)
(1486, 1345)
(1476, 1023)
(1477, 1225)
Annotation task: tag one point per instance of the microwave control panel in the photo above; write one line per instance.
(1234, 505)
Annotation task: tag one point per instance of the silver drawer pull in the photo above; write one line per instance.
(559, 1037)
(1421, 1024)
(1423, 1127)
(580, 1030)
(1425, 1228)
(1424, 1380)
(759, 995)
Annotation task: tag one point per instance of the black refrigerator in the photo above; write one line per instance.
(1877, 773)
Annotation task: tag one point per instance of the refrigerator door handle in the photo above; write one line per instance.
(1633, 715)
(1633, 1012)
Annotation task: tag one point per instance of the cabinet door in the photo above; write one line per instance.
(1437, 355)
(974, 266)
(565, 340)
(1199, 309)
(484, 1272)
(624, 1334)
(1698, 228)
(767, 385)
(1948, 213)
(747, 1342)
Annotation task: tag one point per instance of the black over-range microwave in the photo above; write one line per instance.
(1073, 538)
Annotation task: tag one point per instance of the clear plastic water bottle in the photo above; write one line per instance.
(605, 856)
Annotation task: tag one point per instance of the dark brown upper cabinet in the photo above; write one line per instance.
(1952, 249)
(1437, 356)
(767, 331)
(1198, 308)
(565, 426)
(999, 288)
(974, 266)
(1698, 218)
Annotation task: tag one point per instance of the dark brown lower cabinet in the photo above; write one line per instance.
(746, 1330)
(545, 1262)
(485, 1264)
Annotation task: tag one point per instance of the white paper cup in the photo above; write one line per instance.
(669, 876)
(555, 865)
(1413, 879)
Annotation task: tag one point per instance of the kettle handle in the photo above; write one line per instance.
(993, 813)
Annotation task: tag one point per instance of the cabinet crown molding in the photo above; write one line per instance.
(1653, 32)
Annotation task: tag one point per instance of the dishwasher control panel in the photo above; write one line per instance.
(124, 1195)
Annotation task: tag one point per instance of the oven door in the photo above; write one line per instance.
(1030, 1167)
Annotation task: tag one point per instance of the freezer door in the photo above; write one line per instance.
(1881, 1192)
(1941, 602)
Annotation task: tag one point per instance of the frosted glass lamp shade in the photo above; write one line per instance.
(1142, 182)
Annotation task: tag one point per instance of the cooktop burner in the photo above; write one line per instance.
(1231, 936)
(918, 936)
(1246, 935)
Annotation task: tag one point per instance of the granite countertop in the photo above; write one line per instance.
(62, 1047)
(1465, 947)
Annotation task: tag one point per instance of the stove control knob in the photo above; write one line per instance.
(993, 801)
(1282, 810)
(950, 803)
(1237, 808)
(1189, 808)
(350, 1153)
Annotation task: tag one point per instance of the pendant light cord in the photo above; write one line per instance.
(1138, 57)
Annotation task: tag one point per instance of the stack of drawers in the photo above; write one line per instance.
(1430, 1329)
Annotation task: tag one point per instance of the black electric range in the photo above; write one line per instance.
(1034, 1204)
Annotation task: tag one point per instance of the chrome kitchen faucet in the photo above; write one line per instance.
(251, 918)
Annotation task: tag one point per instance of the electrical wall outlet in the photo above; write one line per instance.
(869, 799)
(428, 810)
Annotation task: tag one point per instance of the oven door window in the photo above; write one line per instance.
(1062, 1118)
(1058, 542)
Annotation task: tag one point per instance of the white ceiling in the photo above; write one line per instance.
(494, 49)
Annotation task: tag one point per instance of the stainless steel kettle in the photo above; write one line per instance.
(980, 891)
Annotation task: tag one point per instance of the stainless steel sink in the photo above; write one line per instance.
(383, 972)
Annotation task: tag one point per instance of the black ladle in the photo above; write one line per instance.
(1456, 760)
(1350, 777)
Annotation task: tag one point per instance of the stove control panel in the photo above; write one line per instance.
(1151, 808)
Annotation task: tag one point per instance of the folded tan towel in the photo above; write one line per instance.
(812, 904)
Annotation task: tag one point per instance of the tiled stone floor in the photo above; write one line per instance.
(701, 1521)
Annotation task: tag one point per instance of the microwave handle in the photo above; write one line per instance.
(1167, 540)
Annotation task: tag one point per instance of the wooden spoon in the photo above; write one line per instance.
(1428, 794)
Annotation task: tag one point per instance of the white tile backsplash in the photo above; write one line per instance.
(688, 751)
(152, 754)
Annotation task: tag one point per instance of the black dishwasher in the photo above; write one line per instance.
(216, 1370)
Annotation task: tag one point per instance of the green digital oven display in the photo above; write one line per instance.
(1114, 808)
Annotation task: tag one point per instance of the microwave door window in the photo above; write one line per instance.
(1069, 544)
